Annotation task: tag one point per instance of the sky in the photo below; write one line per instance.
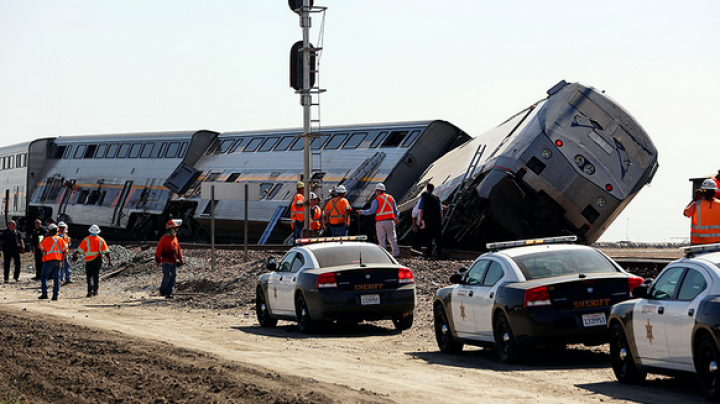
(76, 67)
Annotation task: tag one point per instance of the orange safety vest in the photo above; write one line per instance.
(336, 212)
(705, 228)
(298, 209)
(385, 208)
(65, 237)
(92, 246)
(316, 215)
(53, 248)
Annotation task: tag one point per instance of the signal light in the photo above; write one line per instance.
(537, 297)
(297, 66)
(326, 281)
(633, 282)
(559, 143)
(405, 275)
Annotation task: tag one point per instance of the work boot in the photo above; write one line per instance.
(53, 298)
(43, 297)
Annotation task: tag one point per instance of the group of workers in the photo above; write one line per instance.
(704, 210)
(334, 218)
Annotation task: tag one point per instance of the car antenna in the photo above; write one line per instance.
(361, 263)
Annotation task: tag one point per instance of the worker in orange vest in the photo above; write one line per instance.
(337, 213)
(386, 217)
(705, 213)
(54, 250)
(297, 211)
(65, 270)
(169, 255)
(315, 214)
(95, 248)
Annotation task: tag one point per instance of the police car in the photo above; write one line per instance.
(673, 325)
(530, 293)
(335, 278)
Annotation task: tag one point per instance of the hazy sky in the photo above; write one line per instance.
(76, 67)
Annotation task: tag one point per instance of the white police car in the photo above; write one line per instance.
(674, 324)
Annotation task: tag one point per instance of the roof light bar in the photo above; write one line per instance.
(329, 239)
(698, 249)
(536, 241)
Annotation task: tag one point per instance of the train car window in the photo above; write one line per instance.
(380, 137)
(161, 152)
(253, 144)
(269, 143)
(9, 161)
(2, 163)
(395, 139)
(93, 197)
(269, 190)
(298, 145)
(285, 142)
(123, 151)
(147, 150)
(232, 177)
(319, 141)
(100, 152)
(172, 150)
(237, 147)
(183, 149)
(112, 151)
(79, 152)
(18, 160)
(224, 146)
(82, 197)
(135, 150)
(101, 199)
(90, 151)
(354, 140)
(411, 139)
(336, 140)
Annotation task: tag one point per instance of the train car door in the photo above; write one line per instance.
(69, 187)
(117, 214)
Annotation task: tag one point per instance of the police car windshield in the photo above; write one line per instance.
(549, 264)
(351, 254)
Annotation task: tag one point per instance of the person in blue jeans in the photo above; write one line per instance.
(65, 270)
(168, 254)
(54, 251)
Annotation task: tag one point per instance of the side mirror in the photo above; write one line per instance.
(462, 270)
(271, 263)
(456, 278)
(640, 292)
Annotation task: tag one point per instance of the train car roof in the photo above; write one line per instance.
(117, 137)
(15, 146)
(335, 128)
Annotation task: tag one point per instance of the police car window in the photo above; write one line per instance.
(475, 273)
(286, 263)
(351, 254)
(493, 274)
(549, 264)
(297, 263)
(692, 285)
(664, 287)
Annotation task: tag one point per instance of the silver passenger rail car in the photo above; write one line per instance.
(568, 164)
(114, 181)
(357, 156)
(13, 184)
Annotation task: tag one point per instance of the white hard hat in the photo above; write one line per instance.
(62, 224)
(172, 223)
(313, 196)
(340, 189)
(94, 229)
(380, 187)
(709, 184)
(52, 227)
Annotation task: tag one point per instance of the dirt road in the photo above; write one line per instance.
(138, 347)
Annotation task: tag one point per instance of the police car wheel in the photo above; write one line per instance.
(621, 358)
(443, 334)
(305, 322)
(403, 323)
(505, 344)
(706, 365)
(261, 310)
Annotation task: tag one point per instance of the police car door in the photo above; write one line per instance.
(680, 314)
(463, 297)
(649, 320)
(278, 285)
(484, 298)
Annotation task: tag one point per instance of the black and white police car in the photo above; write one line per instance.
(530, 293)
(674, 325)
(335, 278)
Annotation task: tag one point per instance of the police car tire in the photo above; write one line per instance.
(403, 323)
(623, 365)
(305, 322)
(705, 353)
(505, 344)
(261, 310)
(443, 334)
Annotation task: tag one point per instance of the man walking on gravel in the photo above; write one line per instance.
(54, 253)
(169, 255)
(95, 248)
(12, 245)
(36, 237)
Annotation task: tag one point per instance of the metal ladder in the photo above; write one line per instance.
(271, 225)
(461, 189)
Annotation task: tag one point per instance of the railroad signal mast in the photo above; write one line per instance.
(303, 75)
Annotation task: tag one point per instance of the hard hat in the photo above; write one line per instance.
(709, 184)
(380, 187)
(94, 229)
(300, 185)
(52, 227)
(172, 223)
(62, 224)
(340, 189)
(313, 196)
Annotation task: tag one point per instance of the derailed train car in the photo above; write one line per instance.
(13, 184)
(568, 164)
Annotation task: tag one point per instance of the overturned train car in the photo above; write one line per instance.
(568, 164)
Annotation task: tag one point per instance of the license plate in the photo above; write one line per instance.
(591, 320)
(370, 299)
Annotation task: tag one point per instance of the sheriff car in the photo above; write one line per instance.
(672, 326)
(335, 278)
(530, 293)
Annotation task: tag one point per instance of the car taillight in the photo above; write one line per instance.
(326, 280)
(405, 275)
(537, 297)
(633, 282)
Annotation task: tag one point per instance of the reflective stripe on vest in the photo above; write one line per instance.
(706, 222)
(316, 215)
(55, 252)
(334, 213)
(385, 208)
(92, 246)
(298, 209)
